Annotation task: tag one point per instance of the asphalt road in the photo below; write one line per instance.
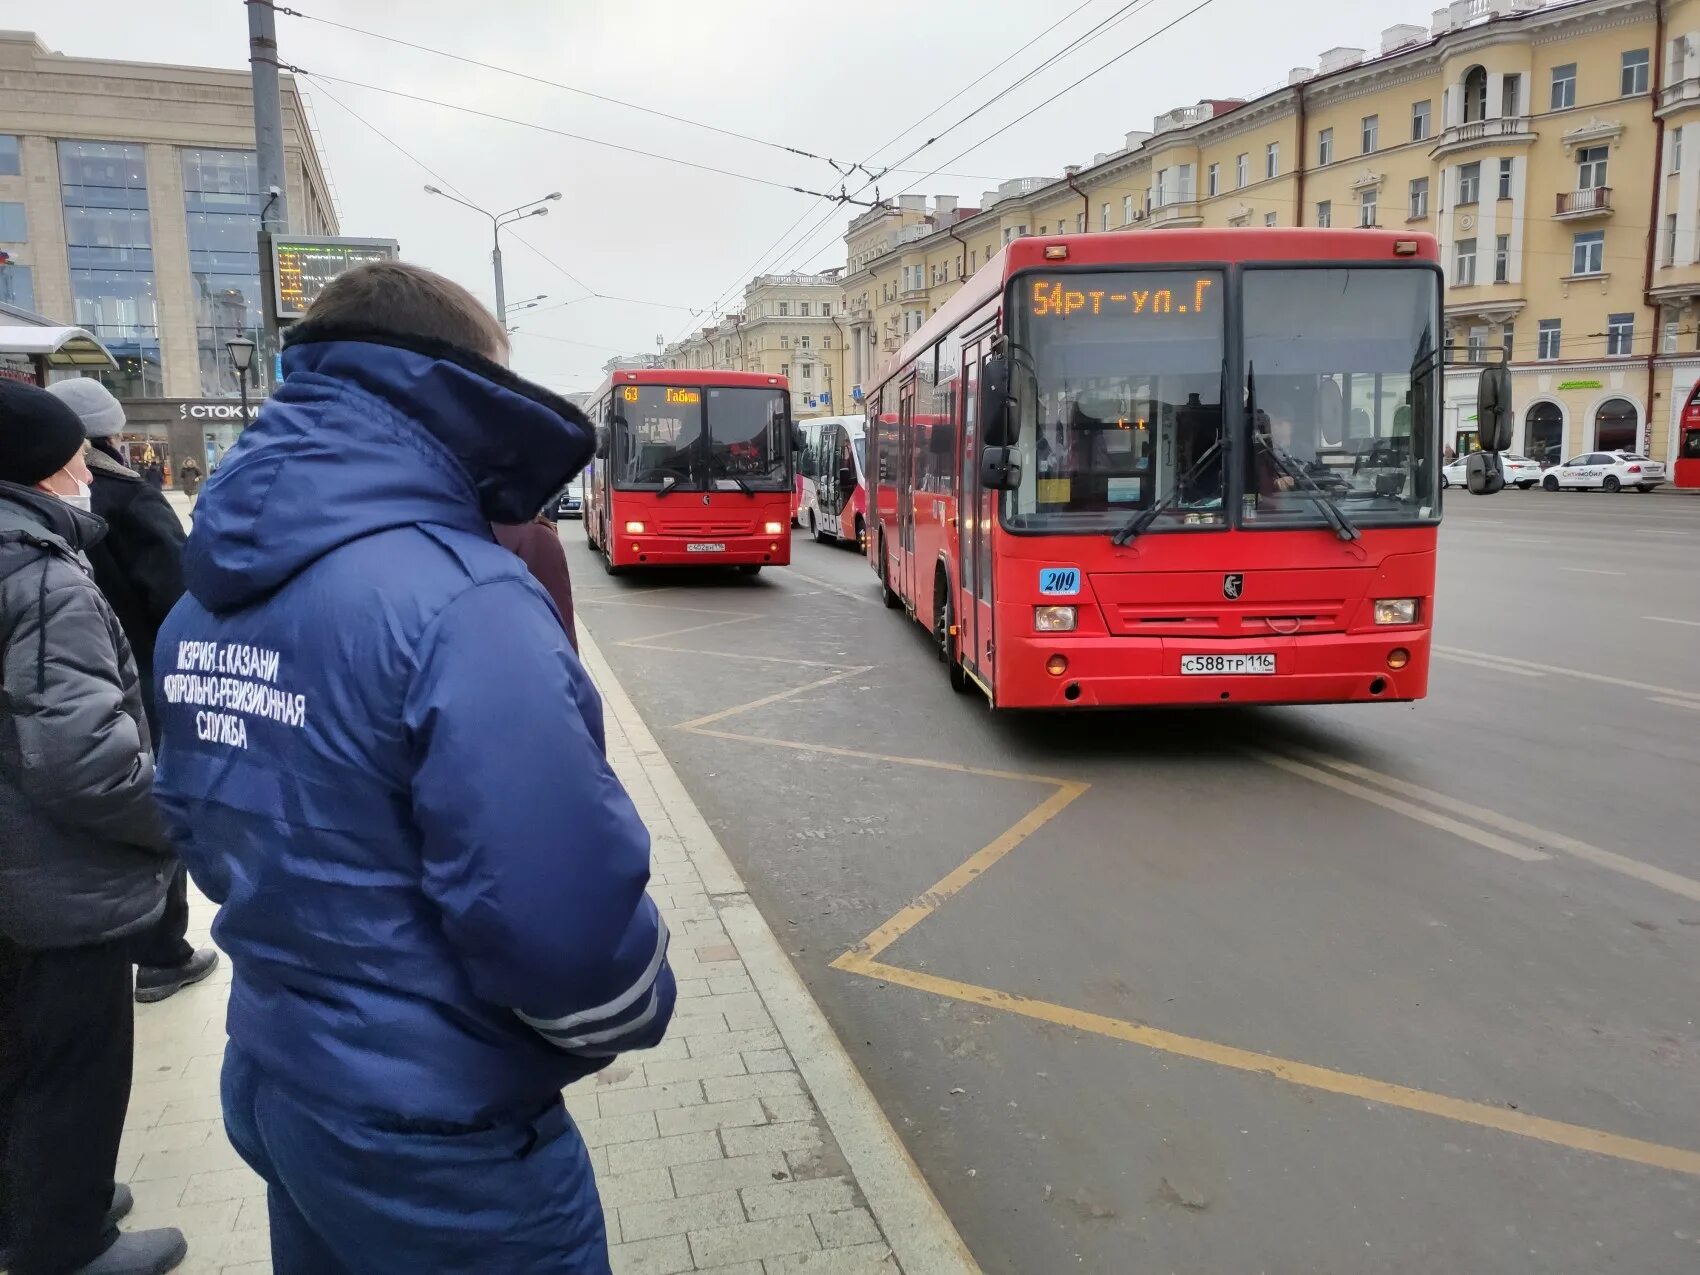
(1382, 988)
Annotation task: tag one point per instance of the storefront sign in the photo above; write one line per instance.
(1579, 385)
(215, 410)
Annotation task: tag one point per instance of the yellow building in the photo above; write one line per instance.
(1541, 144)
(788, 327)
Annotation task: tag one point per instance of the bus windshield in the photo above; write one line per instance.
(1119, 388)
(1340, 390)
(721, 438)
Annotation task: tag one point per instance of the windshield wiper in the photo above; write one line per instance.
(1141, 521)
(668, 482)
(1343, 526)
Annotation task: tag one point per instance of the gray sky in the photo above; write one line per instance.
(836, 79)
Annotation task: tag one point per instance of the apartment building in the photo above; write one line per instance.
(130, 206)
(788, 326)
(1542, 144)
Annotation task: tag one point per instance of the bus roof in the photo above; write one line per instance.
(1113, 248)
(693, 376)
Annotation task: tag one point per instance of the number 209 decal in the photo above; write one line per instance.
(1059, 581)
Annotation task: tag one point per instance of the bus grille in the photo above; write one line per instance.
(1283, 619)
(699, 527)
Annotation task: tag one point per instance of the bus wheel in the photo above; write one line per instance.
(750, 568)
(814, 529)
(887, 594)
(861, 535)
(947, 640)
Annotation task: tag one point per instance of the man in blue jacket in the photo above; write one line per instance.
(382, 758)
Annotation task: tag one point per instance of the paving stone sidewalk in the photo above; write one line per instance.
(711, 1153)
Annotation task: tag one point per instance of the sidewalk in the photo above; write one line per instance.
(746, 1144)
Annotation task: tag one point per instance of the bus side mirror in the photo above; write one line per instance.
(1493, 409)
(798, 444)
(601, 442)
(1000, 468)
(997, 422)
(1484, 473)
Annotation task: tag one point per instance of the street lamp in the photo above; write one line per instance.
(241, 351)
(534, 208)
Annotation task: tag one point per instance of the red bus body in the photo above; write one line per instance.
(1214, 582)
(1686, 471)
(704, 517)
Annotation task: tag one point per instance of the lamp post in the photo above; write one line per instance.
(241, 351)
(529, 304)
(535, 208)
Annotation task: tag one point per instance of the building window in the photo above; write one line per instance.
(221, 206)
(1511, 96)
(785, 343)
(1549, 338)
(1634, 80)
(1371, 130)
(1104, 217)
(803, 308)
(1469, 183)
(1505, 171)
(802, 343)
(1420, 116)
(1079, 223)
(1672, 328)
(17, 286)
(1272, 160)
(14, 226)
(1325, 147)
(785, 369)
(1127, 210)
(1502, 259)
(1616, 426)
(1676, 149)
(1564, 86)
(826, 342)
(1367, 208)
(103, 187)
(1242, 170)
(1464, 264)
(808, 371)
(1588, 253)
(10, 163)
(1475, 95)
(785, 306)
(1591, 168)
(1325, 213)
(1670, 239)
(1475, 344)
(1543, 433)
(1268, 219)
(1620, 333)
(1213, 180)
(1419, 197)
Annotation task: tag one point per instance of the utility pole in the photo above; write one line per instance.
(496, 261)
(268, 154)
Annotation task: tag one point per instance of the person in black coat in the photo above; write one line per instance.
(139, 567)
(83, 865)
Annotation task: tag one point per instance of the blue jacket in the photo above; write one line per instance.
(382, 758)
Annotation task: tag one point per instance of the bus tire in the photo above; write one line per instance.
(887, 594)
(814, 529)
(945, 614)
(861, 534)
(750, 568)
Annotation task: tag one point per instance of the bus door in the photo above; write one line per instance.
(978, 509)
(834, 455)
(908, 458)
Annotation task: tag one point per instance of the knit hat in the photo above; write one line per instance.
(103, 415)
(38, 434)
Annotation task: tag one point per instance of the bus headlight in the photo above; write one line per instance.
(1396, 611)
(1053, 619)
(774, 528)
(634, 528)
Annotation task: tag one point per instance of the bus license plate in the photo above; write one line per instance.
(1228, 664)
(698, 547)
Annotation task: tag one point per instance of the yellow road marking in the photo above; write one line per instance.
(1664, 879)
(644, 644)
(694, 628)
(1418, 813)
(697, 723)
(1573, 1136)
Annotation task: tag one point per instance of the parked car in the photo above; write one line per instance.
(1518, 469)
(1607, 471)
(568, 504)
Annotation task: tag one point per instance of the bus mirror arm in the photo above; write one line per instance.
(1000, 468)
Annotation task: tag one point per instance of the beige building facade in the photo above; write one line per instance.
(130, 206)
(789, 326)
(1551, 149)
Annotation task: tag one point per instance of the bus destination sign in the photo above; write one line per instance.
(1120, 295)
(303, 264)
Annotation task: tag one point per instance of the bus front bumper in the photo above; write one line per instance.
(674, 551)
(1112, 672)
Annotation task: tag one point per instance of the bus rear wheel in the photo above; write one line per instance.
(750, 568)
(888, 595)
(946, 614)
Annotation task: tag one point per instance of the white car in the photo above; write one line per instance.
(1608, 471)
(1518, 469)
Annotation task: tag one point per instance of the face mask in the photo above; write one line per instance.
(79, 499)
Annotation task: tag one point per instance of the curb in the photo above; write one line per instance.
(921, 1235)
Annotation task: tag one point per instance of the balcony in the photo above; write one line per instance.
(1580, 205)
(1489, 132)
(861, 312)
(1177, 214)
(917, 293)
(893, 342)
(1682, 93)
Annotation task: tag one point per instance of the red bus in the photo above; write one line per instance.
(1175, 467)
(692, 468)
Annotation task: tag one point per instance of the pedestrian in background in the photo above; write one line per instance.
(189, 477)
(538, 544)
(83, 861)
(138, 565)
(431, 881)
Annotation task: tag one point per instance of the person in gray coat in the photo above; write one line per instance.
(83, 865)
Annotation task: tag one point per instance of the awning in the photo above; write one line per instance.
(61, 347)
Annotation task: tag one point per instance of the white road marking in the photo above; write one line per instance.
(1495, 665)
(1663, 879)
(1592, 571)
(1453, 652)
(1666, 619)
(1679, 703)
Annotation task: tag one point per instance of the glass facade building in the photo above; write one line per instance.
(222, 206)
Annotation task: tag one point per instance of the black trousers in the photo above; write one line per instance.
(162, 945)
(67, 1037)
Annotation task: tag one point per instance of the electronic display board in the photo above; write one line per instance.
(303, 264)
